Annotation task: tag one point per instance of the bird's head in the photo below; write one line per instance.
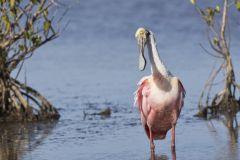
(141, 35)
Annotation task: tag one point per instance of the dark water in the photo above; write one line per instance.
(94, 65)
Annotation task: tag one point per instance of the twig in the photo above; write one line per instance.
(236, 85)
(19, 70)
(211, 54)
(224, 21)
(209, 83)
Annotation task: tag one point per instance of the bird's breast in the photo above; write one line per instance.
(162, 99)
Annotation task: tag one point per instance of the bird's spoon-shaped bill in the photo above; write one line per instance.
(142, 60)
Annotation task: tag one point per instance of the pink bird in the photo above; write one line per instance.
(160, 96)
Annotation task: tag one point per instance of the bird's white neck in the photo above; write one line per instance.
(157, 66)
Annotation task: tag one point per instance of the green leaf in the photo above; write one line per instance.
(34, 1)
(217, 9)
(5, 19)
(26, 35)
(237, 4)
(215, 41)
(210, 11)
(45, 13)
(12, 3)
(193, 2)
(36, 40)
(31, 29)
(6, 22)
(21, 47)
(46, 25)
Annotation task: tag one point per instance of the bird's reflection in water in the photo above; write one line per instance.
(163, 157)
(17, 138)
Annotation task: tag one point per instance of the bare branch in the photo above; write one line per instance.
(209, 83)
(213, 47)
(212, 79)
(211, 54)
(224, 20)
(236, 85)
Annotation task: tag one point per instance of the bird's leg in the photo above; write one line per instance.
(173, 137)
(151, 140)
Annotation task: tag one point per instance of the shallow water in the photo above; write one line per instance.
(93, 65)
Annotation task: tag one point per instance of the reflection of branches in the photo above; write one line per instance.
(227, 119)
(230, 121)
(14, 145)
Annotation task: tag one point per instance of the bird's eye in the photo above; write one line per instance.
(147, 33)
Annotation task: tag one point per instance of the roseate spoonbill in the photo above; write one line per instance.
(160, 96)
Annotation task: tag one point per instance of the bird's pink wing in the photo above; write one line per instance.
(142, 90)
